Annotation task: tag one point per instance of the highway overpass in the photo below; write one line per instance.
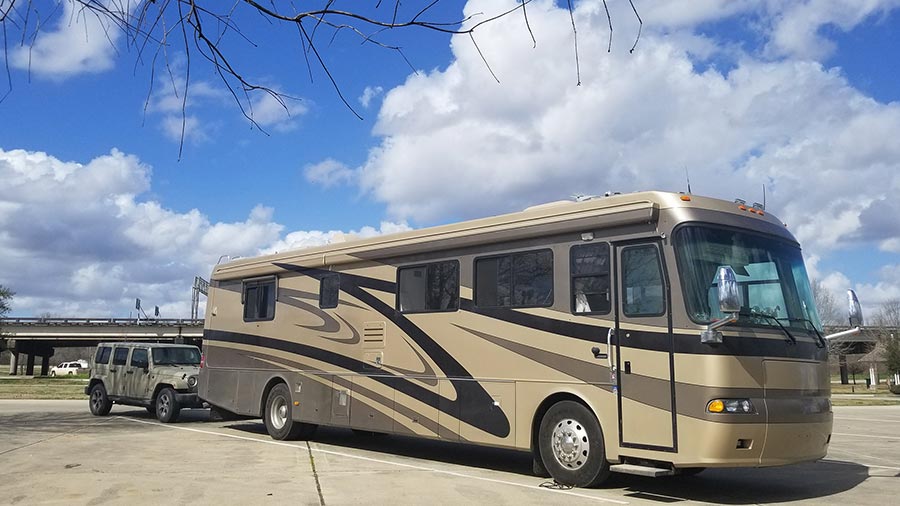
(39, 337)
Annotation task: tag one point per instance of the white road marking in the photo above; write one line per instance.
(379, 461)
(862, 455)
(865, 435)
(880, 420)
(860, 463)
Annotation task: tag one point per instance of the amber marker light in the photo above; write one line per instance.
(686, 198)
(715, 406)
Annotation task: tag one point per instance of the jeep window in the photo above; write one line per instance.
(139, 358)
(103, 355)
(176, 356)
(120, 356)
(259, 300)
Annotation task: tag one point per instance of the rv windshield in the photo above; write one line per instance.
(769, 271)
(176, 356)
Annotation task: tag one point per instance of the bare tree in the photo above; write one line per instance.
(888, 315)
(209, 31)
(6, 296)
(826, 304)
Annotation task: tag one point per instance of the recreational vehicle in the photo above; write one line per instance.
(652, 333)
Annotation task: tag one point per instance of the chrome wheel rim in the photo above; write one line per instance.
(278, 412)
(570, 443)
(163, 406)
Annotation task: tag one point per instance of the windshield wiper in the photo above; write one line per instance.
(821, 343)
(790, 336)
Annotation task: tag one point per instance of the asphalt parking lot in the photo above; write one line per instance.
(56, 452)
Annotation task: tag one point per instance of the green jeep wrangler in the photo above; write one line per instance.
(159, 377)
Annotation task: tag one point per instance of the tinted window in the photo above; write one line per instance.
(431, 287)
(103, 355)
(329, 288)
(642, 282)
(176, 355)
(120, 356)
(259, 300)
(516, 280)
(590, 278)
(140, 358)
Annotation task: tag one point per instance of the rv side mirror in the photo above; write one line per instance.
(729, 291)
(855, 311)
(729, 304)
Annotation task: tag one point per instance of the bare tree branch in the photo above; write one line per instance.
(208, 29)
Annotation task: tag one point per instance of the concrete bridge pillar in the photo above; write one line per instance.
(29, 364)
(45, 362)
(13, 360)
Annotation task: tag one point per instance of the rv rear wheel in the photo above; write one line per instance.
(571, 444)
(278, 416)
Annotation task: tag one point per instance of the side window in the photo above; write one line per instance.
(120, 356)
(642, 287)
(430, 287)
(140, 358)
(259, 300)
(103, 353)
(589, 268)
(329, 287)
(516, 280)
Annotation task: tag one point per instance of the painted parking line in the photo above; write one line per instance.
(861, 455)
(864, 435)
(379, 461)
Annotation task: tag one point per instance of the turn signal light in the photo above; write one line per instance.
(730, 406)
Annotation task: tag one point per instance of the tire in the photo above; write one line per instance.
(52, 374)
(278, 416)
(571, 444)
(98, 401)
(167, 407)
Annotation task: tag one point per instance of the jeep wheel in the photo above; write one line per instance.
(277, 416)
(98, 401)
(167, 407)
(52, 374)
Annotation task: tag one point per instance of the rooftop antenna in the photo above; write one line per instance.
(687, 176)
(764, 196)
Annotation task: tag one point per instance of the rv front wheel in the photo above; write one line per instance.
(571, 444)
(278, 416)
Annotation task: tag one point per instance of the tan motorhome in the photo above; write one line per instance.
(652, 333)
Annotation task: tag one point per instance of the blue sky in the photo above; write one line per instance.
(96, 207)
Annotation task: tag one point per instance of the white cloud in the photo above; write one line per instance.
(370, 93)
(304, 239)
(455, 144)
(278, 114)
(796, 25)
(187, 128)
(329, 172)
(79, 42)
(79, 239)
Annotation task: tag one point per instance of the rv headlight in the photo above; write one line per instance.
(743, 406)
